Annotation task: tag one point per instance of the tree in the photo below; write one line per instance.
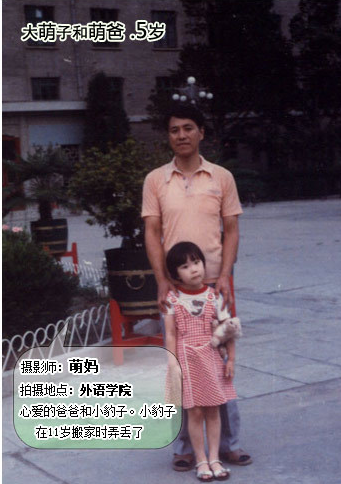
(316, 33)
(242, 57)
(46, 170)
(109, 187)
(105, 118)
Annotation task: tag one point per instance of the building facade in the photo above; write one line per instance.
(45, 83)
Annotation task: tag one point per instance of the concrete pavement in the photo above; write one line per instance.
(288, 293)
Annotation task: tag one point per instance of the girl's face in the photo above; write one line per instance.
(192, 274)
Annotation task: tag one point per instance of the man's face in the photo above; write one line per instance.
(184, 136)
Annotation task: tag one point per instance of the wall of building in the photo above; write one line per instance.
(137, 63)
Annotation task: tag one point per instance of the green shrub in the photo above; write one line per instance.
(36, 290)
(109, 186)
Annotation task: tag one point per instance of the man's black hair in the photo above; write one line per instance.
(178, 255)
(185, 111)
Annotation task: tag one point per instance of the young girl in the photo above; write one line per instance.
(207, 382)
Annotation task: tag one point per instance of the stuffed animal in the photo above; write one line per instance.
(230, 328)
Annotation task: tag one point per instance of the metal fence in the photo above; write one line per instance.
(89, 328)
(89, 276)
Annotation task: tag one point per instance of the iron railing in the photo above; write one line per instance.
(89, 328)
(88, 276)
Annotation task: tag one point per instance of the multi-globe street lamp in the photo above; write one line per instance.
(191, 92)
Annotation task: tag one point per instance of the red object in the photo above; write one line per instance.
(119, 321)
(203, 369)
(72, 253)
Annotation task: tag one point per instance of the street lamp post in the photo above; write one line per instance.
(191, 92)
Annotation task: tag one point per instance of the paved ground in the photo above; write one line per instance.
(288, 290)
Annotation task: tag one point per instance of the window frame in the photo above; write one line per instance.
(34, 21)
(170, 89)
(166, 43)
(34, 89)
(105, 45)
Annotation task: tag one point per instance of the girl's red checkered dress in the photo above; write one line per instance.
(204, 382)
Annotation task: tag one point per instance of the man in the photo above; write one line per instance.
(189, 199)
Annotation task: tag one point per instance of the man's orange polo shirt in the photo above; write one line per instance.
(191, 208)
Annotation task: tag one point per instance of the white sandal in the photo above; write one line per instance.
(220, 474)
(201, 474)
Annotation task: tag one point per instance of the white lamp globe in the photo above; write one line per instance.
(183, 98)
(209, 95)
(175, 97)
(192, 102)
(202, 94)
(191, 80)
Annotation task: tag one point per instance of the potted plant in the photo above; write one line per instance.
(44, 172)
(109, 187)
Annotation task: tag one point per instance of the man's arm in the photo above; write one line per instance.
(230, 249)
(156, 258)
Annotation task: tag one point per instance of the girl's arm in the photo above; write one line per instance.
(170, 337)
(231, 352)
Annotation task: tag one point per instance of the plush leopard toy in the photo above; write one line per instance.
(230, 328)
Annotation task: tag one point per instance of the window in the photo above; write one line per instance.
(35, 14)
(45, 88)
(116, 85)
(165, 85)
(169, 41)
(104, 15)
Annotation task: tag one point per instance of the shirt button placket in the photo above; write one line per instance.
(185, 182)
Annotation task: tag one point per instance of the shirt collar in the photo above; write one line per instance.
(171, 168)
